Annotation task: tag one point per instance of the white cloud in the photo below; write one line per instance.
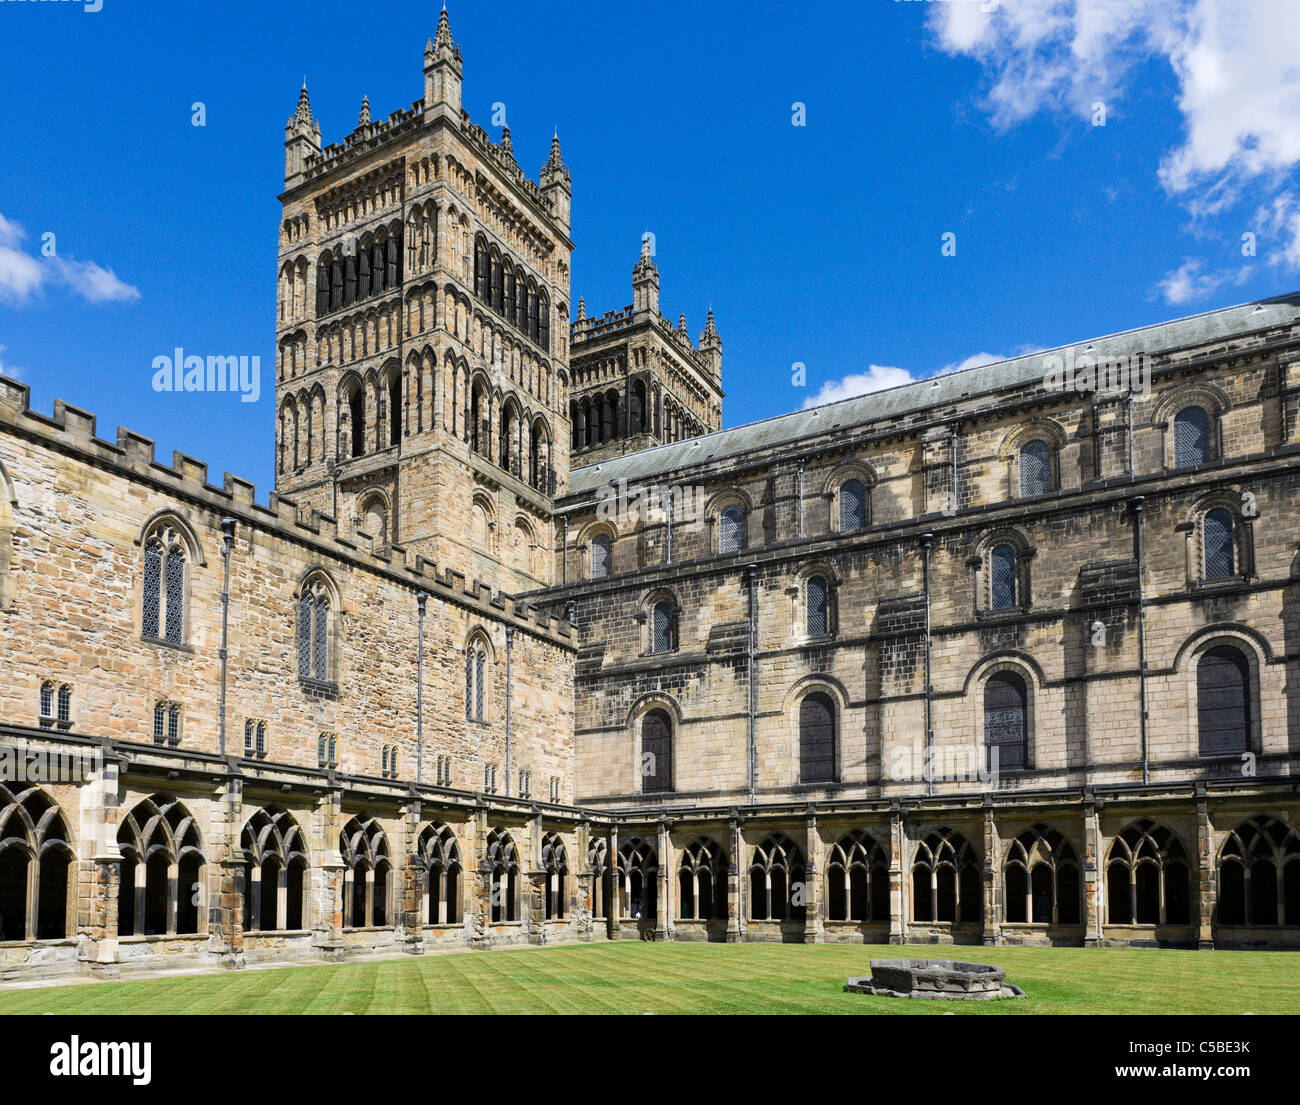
(24, 276)
(1233, 62)
(8, 369)
(876, 378)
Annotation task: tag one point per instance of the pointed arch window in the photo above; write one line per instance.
(556, 867)
(776, 881)
(1148, 878)
(1218, 548)
(38, 871)
(1041, 876)
(163, 617)
(730, 526)
(946, 880)
(476, 668)
(857, 880)
(1191, 437)
(1259, 875)
(314, 632)
(439, 857)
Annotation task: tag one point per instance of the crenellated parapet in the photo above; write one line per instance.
(71, 431)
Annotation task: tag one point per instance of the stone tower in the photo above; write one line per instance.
(638, 381)
(422, 373)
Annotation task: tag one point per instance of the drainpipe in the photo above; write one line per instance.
(421, 600)
(564, 554)
(953, 443)
(751, 573)
(799, 478)
(1138, 501)
(1131, 471)
(668, 528)
(927, 544)
(510, 640)
(227, 542)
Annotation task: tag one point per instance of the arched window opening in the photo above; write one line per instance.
(275, 858)
(367, 873)
(817, 606)
(1002, 568)
(1035, 469)
(1259, 875)
(37, 872)
(853, 506)
(1041, 875)
(439, 857)
(730, 527)
(1223, 701)
(857, 880)
(703, 879)
(357, 418)
(476, 667)
(1006, 733)
(601, 555)
(656, 752)
(162, 865)
(502, 865)
(395, 411)
(638, 883)
(662, 627)
(817, 738)
(556, 871)
(1147, 877)
(314, 632)
(1217, 539)
(946, 880)
(776, 880)
(1191, 437)
(163, 618)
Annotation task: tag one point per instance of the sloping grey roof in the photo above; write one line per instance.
(1194, 330)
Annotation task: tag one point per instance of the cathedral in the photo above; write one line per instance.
(524, 647)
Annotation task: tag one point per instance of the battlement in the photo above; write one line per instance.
(72, 431)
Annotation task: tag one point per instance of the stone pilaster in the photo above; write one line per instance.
(1205, 875)
(814, 928)
(992, 879)
(735, 907)
(1092, 883)
(667, 885)
(898, 850)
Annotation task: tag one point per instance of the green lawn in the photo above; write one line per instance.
(698, 978)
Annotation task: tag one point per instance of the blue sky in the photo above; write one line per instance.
(817, 244)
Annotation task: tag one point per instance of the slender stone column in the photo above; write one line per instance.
(992, 911)
(1205, 875)
(665, 913)
(615, 886)
(814, 929)
(1092, 884)
(735, 886)
(898, 850)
